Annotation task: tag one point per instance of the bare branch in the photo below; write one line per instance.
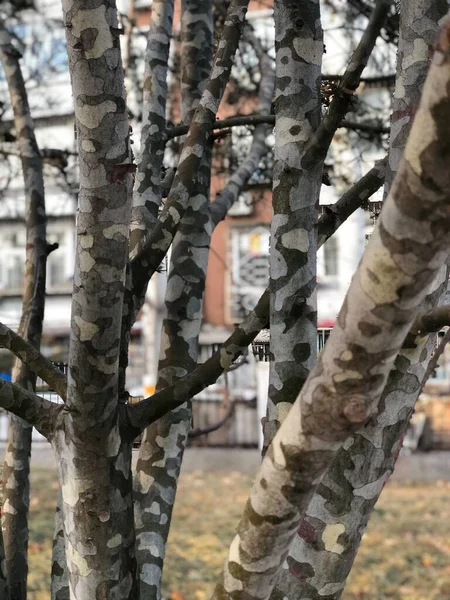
(34, 359)
(33, 409)
(198, 432)
(320, 142)
(145, 264)
(183, 319)
(17, 459)
(140, 415)
(254, 119)
(357, 196)
(226, 198)
(147, 194)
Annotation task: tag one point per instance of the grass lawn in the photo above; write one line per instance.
(405, 554)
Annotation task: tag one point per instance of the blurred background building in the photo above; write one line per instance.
(238, 265)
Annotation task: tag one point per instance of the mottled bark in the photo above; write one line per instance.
(59, 581)
(17, 458)
(225, 198)
(328, 539)
(36, 411)
(329, 536)
(319, 143)
(94, 463)
(145, 264)
(410, 243)
(293, 304)
(417, 33)
(147, 195)
(156, 244)
(196, 53)
(147, 411)
(34, 359)
(4, 592)
(164, 441)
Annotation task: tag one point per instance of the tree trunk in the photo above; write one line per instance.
(164, 441)
(293, 310)
(345, 498)
(329, 536)
(94, 462)
(16, 489)
(409, 245)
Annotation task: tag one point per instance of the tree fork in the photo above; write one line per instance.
(410, 243)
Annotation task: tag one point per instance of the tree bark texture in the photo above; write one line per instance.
(145, 264)
(147, 194)
(59, 589)
(314, 150)
(293, 304)
(156, 244)
(329, 536)
(328, 570)
(410, 243)
(162, 447)
(157, 405)
(417, 33)
(16, 469)
(349, 490)
(94, 464)
(225, 198)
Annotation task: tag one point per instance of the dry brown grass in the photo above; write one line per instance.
(405, 554)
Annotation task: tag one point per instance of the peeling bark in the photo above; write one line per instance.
(94, 463)
(37, 363)
(145, 264)
(293, 303)
(409, 245)
(147, 195)
(329, 536)
(17, 459)
(136, 417)
(227, 197)
(164, 441)
(59, 580)
(417, 34)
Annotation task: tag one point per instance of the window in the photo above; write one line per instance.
(15, 272)
(57, 274)
(56, 271)
(249, 268)
(330, 254)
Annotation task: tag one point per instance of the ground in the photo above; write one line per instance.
(405, 554)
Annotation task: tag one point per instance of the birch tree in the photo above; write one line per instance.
(305, 515)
